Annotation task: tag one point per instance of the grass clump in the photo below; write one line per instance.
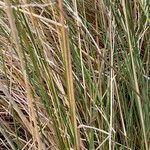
(74, 74)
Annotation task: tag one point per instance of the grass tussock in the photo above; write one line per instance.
(74, 75)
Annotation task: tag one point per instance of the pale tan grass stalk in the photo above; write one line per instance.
(25, 146)
(111, 40)
(28, 90)
(90, 127)
(29, 5)
(135, 76)
(67, 60)
(99, 147)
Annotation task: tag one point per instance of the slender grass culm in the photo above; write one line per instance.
(74, 74)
